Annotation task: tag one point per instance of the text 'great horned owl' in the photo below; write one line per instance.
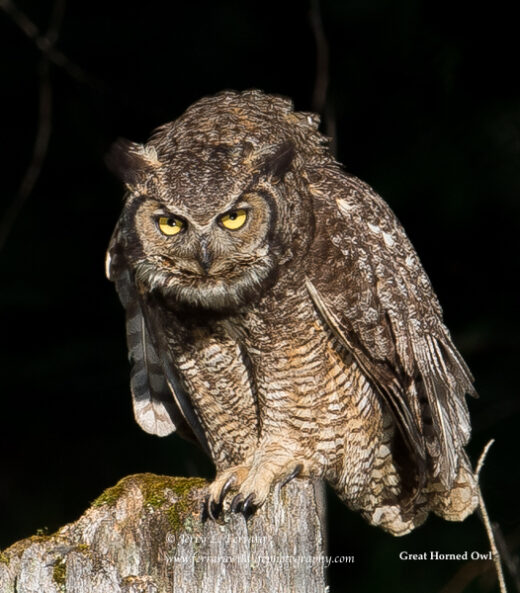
(277, 314)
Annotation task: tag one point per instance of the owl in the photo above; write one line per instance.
(277, 314)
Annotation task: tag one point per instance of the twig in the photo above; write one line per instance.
(482, 458)
(58, 12)
(487, 522)
(43, 133)
(509, 560)
(41, 144)
(321, 82)
(491, 537)
(471, 570)
(320, 102)
(45, 43)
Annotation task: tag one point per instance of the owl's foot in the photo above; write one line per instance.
(257, 486)
(253, 485)
(226, 480)
(261, 479)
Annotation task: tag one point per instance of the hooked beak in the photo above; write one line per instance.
(205, 258)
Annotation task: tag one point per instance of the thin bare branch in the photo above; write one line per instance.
(471, 570)
(320, 102)
(25, 24)
(43, 133)
(55, 21)
(510, 561)
(321, 82)
(45, 43)
(492, 543)
(41, 144)
(487, 523)
(482, 457)
(49, 54)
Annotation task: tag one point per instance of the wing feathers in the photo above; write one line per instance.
(446, 383)
(150, 392)
(384, 311)
(387, 384)
(160, 404)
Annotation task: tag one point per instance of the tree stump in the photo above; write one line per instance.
(146, 535)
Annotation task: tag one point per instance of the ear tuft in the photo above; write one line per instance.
(129, 161)
(278, 163)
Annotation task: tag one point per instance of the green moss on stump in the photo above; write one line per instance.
(158, 492)
(19, 547)
(153, 488)
(179, 514)
(59, 572)
(111, 495)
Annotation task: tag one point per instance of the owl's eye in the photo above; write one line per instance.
(170, 225)
(234, 219)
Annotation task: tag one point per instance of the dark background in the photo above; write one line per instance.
(427, 107)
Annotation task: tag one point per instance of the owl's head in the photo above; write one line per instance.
(216, 199)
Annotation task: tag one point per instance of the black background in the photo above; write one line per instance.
(426, 100)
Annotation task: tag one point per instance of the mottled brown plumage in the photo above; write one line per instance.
(277, 313)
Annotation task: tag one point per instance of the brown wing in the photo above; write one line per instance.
(160, 403)
(381, 306)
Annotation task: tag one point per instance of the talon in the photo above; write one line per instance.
(292, 475)
(225, 489)
(205, 510)
(236, 503)
(214, 509)
(248, 505)
(209, 507)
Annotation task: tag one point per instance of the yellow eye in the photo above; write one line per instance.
(234, 220)
(170, 226)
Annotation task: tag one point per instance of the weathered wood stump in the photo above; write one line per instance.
(146, 535)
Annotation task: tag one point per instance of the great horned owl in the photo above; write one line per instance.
(278, 315)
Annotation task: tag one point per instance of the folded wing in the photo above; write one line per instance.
(160, 403)
(383, 309)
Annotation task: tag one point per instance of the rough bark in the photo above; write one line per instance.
(145, 535)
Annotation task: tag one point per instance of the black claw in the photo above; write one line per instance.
(214, 510)
(209, 504)
(236, 503)
(211, 509)
(204, 514)
(292, 475)
(225, 489)
(248, 506)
